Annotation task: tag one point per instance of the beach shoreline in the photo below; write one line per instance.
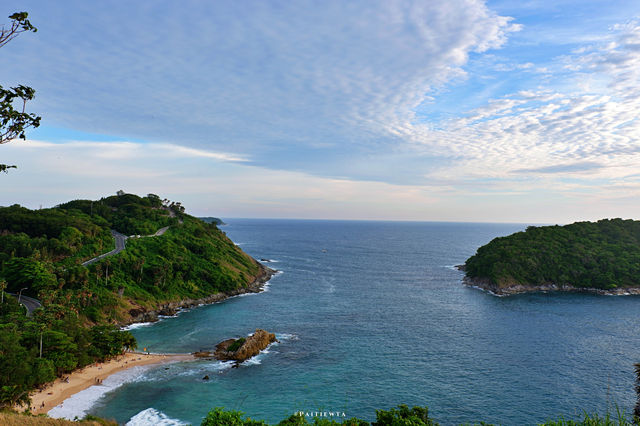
(55, 393)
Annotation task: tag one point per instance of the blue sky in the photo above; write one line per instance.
(518, 111)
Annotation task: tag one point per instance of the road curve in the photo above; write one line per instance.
(160, 232)
(29, 302)
(121, 241)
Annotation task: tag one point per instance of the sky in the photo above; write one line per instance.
(458, 110)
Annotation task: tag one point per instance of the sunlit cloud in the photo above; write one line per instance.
(397, 109)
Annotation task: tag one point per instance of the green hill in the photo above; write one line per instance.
(42, 251)
(602, 256)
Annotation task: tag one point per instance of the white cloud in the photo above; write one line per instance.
(286, 84)
(548, 132)
(311, 103)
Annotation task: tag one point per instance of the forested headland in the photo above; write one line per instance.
(601, 256)
(41, 256)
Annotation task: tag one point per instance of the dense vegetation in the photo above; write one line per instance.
(602, 255)
(41, 254)
(66, 345)
(400, 416)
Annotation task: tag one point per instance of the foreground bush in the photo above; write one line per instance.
(401, 416)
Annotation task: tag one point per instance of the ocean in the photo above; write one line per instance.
(370, 315)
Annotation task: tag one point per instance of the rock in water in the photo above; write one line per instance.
(246, 349)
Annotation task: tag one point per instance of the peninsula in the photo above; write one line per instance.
(601, 257)
(92, 266)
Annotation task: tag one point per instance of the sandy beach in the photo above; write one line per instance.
(63, 388)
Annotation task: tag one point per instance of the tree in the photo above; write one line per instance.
(19, 24)
(219, 417)
(14, 119)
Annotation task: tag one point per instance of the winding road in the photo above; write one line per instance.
(29, 302)
(121, 241)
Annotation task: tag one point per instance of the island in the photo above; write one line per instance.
(601, 257)
(71, 276)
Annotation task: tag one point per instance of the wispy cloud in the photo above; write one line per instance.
(563, 168)
(437, 102)
(287, 84)
(592, 126)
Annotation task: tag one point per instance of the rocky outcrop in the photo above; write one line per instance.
(517, 288)
(169, 309)
(242, 349)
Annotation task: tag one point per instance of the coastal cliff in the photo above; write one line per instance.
(600, 257)
(172, 308)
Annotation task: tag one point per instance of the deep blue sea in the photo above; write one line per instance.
(373, 314)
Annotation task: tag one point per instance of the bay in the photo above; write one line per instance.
(373, 314)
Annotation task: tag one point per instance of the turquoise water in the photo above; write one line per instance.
(372, 315)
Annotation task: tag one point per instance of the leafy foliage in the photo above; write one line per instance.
(66, 345)
(128, 213)
(19, 24)
(417, 416)
(603, 255)
(43, 250)
(219, 417)
(14, 121)
(13, 100)
(402, 416)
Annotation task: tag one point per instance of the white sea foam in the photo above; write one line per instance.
(265, 286)
(453, 267)
(286, 336)
(80, 403)
(153, 417)
(486, 290)
(136, 325)
(257, 360)
(253, 361)
(198, 369)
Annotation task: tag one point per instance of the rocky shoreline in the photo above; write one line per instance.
(240, 349)
(169, 309)
(488, 286)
